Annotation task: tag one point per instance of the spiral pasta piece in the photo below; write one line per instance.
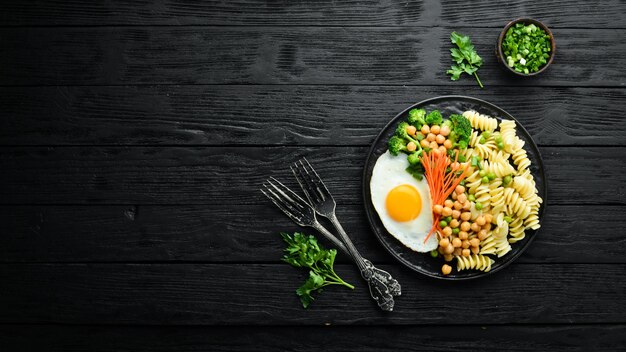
(532, 221)
(474, 261)
(499, 168)
(473, 181)
(488, 245)
(507, 130)
(520, 158)
(515, 203)
(481, 122)
(516, 230)
(483, 195)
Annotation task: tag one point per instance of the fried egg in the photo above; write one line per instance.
(402, 202)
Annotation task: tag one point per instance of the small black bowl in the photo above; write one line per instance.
(502, 58)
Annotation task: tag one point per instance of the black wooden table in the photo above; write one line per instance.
(135, 136)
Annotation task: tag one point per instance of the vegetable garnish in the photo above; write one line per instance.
(526, 47)
(442, 176)
(466, 58)
(303, 251)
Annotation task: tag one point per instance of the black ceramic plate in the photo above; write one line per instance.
(422, 262)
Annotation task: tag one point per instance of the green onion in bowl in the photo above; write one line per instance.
(526, 48)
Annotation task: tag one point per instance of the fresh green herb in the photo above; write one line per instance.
(303, 251)
(416, 171)
(526, 47)
(460, 130)
(466, 58)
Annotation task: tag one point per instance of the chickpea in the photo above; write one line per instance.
(458, 205)
(433, 145)
(467, 205)
(487, 226)
(457, 251)
(463, 235)
(445, 130)
(482, 234)
(448, 203)
(442, 149)
(411, 146)
(431, 137)
(447, 143)
(446, 269)
(441, 250)
(488, 218)
(440, 139)
(448, 257)
(456, 214)
(474, 242)
(455, 165)
(437, 209)
(474, 227)
(456, 243)
(466, 215)
(481, 220)
(447, 231)
(459, 189)
(411, 130)
(475, 250)
(424, 143)
(435, 129)
(454, 223)
(465, 244)
(449, 249)
(444, 242)
(462, 198)
(446, 211)
(466, 252)
(465, 226)
(425, 129)
(453, 195)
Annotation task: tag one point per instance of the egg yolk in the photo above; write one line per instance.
(403, 203)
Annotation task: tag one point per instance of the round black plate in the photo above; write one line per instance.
(422, 262)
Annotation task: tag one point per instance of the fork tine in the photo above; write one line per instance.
(280, 203)
(287, 193)
(316, 179)
(305, 184)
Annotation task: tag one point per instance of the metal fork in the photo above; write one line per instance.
(381, 283)
(301, 212)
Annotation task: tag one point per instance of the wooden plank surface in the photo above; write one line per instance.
(301, 55)
(337, 338)
(215, 233)
(207, 294)
(605, 14)
(279, 115)
(232, 175)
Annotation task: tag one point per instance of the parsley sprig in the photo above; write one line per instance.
(303, 251)
(466, 58)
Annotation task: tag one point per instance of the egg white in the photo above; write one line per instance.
(389, 172)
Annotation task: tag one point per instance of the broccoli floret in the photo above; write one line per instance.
(416, 117)
(414, 158)
(460, 130)
(434, 118)
(402, 133)
(396, 145)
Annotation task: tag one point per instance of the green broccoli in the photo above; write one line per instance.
(416, 117)
(434, 118)
(414, 158)
(396, 145)
(402, 133)
(460, 130)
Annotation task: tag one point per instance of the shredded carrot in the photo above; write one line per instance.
(441, 184)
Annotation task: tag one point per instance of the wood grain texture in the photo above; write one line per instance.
(273, 55)
(232, 175)
(216, 233)
(284, 115)
(343, 13)
(530, 338)
(198, 294)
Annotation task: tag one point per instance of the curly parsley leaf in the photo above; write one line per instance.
(465, 57)
(303, 251)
